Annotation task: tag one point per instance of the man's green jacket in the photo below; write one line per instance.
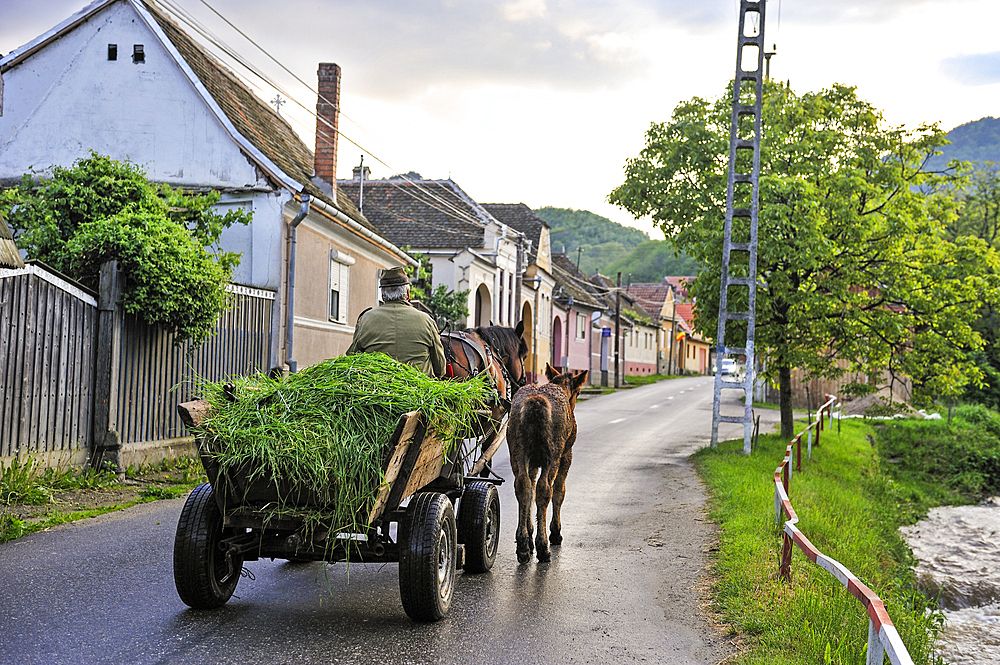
(399, 330)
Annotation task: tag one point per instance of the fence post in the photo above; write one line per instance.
(106, 442)
(785, 569)
(876, 651)
(798, 453)
(809, 443)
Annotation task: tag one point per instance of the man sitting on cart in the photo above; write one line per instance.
(398, 329)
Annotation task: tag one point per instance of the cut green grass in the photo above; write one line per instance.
(851, 511)
(322, 432)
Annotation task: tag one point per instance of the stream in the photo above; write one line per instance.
(959, 552)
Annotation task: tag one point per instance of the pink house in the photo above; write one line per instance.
(574, 309)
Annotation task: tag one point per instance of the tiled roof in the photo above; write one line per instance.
(423, 214)
(650, 296)
(521, 218)
(685, 311)
(574, 283)
(680, 285)
(256, 121)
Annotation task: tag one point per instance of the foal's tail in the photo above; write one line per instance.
(535, 430)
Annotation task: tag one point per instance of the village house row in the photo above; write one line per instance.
(123, 79)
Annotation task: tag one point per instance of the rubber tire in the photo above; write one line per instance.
(479, 525)
(428, 557)
(203, 575)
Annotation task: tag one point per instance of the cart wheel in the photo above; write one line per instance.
(428, 557)
(204, 575)
(479, 525)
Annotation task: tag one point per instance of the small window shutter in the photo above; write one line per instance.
(336, 294)
(345, 291)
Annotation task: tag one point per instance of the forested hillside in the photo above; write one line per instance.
(975, 141)
(609, 247)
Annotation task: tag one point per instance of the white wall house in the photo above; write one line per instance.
(468, 248)
(124, 79)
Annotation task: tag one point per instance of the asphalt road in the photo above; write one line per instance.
(625, 586)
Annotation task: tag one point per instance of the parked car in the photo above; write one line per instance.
(729, 367)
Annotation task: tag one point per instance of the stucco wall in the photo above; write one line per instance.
(69, 98)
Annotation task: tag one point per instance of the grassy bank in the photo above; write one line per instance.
(33, 498)
(851, 510)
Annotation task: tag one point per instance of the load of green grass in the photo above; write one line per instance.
(324, 430)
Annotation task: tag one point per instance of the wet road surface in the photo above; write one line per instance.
(624, 587)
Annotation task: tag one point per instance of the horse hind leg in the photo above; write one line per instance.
(558, 495)
(524, 489)
(543, 494)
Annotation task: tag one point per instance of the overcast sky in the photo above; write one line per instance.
(542, 101)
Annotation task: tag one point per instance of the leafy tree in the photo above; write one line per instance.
(448, 307)
(102, 209)
(978, 197)
(853, 261)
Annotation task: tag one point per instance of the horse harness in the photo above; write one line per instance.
(480, 358)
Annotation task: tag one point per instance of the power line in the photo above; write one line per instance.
(449, 209)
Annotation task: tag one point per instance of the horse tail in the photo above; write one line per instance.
(535, 430)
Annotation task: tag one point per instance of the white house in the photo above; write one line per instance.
(122, 78)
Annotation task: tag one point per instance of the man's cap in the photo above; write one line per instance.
(394, 277)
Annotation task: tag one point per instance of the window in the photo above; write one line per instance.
(581, 326)
(340, 286)
(138, 54)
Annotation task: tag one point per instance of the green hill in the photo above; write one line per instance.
(603, 241)
(609, 247)
(651, 262)
(976, 141)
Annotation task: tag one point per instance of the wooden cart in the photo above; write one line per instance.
(223, 524)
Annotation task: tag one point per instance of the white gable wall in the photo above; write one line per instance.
(68, 98)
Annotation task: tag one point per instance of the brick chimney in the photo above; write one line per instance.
(327, 114)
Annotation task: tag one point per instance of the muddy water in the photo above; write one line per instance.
(959, 552)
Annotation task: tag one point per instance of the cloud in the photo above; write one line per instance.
(977, 69)
(853, 11)
(393, 50)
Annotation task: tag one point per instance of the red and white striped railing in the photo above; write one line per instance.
(883, 638)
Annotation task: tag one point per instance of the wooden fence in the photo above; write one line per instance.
(54, 392)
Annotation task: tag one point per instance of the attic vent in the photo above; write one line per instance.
(112, 51)
(138, 54)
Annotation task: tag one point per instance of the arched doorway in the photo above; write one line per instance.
(557, 338)
(531, 362)
(484, 306)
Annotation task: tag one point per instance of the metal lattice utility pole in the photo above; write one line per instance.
(742, 197)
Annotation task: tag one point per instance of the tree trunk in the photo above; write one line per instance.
(785, 400)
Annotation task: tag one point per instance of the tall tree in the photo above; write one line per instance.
(853, 260)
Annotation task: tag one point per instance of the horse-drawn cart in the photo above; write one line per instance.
(227, 521)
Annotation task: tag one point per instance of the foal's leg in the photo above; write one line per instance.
(558, 494)
(543, 494)
(524, 489)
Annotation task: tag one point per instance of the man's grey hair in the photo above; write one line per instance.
(391, 293)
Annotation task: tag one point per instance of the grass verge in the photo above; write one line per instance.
(34, 498)
(851, 510)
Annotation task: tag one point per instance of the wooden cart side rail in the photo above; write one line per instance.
(401, 452)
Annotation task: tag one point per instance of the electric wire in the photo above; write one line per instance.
(448, 208)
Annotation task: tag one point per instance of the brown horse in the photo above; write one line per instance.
(540, 437)
(497, 350)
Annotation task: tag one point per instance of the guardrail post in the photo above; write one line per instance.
(785, 569)
(777, 507)
(876, 652)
